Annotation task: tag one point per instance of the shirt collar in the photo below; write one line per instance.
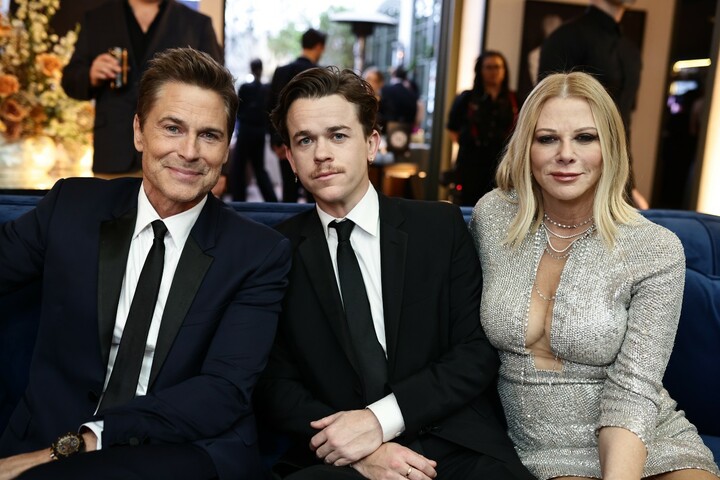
(178, 226)
(365, 214)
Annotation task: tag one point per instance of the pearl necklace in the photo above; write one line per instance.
(562, 225)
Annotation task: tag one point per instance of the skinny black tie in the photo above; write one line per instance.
(126, 370)
(370, 354)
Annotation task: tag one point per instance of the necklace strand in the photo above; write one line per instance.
(562, 225)
(564, 237)
(547, 299)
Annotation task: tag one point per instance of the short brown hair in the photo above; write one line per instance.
(191, 67)
(322, 82)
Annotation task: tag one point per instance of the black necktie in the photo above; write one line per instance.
(370, 354)
(126, 370)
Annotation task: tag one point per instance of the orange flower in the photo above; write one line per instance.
(8, 85)
(49, 64)
(12, 112)
(37, 114)
(13, 130)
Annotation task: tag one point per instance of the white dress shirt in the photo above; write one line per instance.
(365, 241)
(178, 227)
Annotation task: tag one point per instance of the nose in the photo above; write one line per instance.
(188, 148)
(566, 153)
(323, 152)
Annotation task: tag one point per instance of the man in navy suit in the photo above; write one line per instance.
(142, 28)
(188, 414)
(388, 375)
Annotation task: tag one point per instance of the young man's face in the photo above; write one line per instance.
(184, 146)
(329, 151)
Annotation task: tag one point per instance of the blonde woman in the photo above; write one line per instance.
(582, 297)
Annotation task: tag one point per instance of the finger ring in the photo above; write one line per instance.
(407, 475)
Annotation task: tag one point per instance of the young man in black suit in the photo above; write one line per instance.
(151, 386)
(380, 368)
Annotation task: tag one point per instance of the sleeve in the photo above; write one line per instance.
(218, 397)
(208, 41)
(632, 391)
(23, 242)
(458, 113)
(282, 400)
(76, 74)
(467, 365)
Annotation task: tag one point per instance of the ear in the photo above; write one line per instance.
(373, 143)
(288, 155)
(138, 138)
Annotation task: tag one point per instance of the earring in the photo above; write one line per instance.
(296, 180)
(371, 160)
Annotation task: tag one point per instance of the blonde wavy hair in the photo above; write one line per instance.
(515, 172)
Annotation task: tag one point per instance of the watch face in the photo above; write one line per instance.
(67, 445)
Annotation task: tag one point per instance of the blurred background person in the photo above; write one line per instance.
(252, 122)
(582, 296)
(142, 28)
(480, 122)
(313, 46)
(594, 43)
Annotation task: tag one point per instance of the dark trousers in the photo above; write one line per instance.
(151, 462)
(453, 463)
(250, 147)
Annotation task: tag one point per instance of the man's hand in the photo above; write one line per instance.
(103, 68)
(12, 467)
(346, 437)
(393, 461)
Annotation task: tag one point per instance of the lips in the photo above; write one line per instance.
(324, 174)
(564, 176)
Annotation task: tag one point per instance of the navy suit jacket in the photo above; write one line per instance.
(441, 367)
(216, 332)
(105, 27)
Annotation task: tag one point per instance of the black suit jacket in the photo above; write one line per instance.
(441, 367)
(105, 27)
(282, 77)
(217, 327)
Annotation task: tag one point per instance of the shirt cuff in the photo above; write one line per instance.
(388, 413)
(97, 428)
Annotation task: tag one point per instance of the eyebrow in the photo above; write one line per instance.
(308, 133)
(581, 129)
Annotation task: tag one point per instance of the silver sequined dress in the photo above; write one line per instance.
(613, 327)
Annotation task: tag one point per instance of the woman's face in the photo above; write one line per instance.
(565, 154)
(493, 70)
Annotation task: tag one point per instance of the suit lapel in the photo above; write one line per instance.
(191, 269)
(393, 248)
(313, 251)
(115, 238)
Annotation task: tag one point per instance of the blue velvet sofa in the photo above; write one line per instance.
(692, 377)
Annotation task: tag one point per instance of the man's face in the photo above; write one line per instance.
(184, 146)
(329, 152)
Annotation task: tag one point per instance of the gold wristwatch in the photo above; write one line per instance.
(66, 446)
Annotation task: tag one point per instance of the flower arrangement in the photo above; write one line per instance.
(32, 102)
